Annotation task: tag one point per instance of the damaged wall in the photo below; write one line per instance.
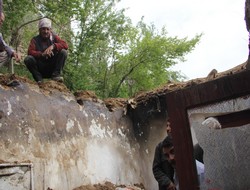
(70, 144)
(226, 150)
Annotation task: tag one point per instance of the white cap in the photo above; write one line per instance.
(44, 23)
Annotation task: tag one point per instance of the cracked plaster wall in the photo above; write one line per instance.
(68, 144)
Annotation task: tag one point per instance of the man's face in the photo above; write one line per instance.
(169, 153)
(168, 128)
(45, 32)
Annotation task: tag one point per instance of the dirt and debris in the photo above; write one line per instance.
(172, 86)
(51, 85)
(47, 85)
(82, 96)
(114, 103)
(110, 186)
(5, 79)
(111, 103)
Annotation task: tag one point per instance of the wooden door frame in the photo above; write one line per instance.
(179, 101)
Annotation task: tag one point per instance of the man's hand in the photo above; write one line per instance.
(17, 56)
(171, 186)
(2, 18)
(48, 52)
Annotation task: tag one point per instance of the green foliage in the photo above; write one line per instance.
(147, 62)
(107, 54)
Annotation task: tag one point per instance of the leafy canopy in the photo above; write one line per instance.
(107, 54)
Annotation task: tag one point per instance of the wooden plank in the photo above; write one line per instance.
(231, 86)
(234, 119)
(182, 143)
(228, 87)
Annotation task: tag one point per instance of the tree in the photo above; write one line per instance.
(114, 58)
(147, 62)
(107, 54)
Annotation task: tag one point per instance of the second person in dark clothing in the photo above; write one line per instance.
(163, 169)
(46, 54)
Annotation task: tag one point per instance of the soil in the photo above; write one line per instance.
(7, 80)
(49, 86)
(114, 103)
(110, 186)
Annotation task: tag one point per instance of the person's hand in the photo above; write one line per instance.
(17, 56)
(171, 186)
(2, 18)
(48, 52)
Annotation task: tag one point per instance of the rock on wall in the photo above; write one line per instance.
(69, 144)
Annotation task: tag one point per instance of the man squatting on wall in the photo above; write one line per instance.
(46, 54)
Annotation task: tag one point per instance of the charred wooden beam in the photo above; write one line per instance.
(234, 119)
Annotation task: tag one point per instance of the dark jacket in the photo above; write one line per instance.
(5, 47)
(162, 170)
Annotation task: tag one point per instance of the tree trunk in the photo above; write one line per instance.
(247, 14)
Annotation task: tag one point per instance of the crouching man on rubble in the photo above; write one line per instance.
(46, 54)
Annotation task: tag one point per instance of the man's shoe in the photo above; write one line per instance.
(57, 78)
(39, 82)
(13, 83)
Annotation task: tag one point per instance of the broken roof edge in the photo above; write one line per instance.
(142, 98)
(130, 103)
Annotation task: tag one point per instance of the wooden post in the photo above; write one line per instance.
(11, 66)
